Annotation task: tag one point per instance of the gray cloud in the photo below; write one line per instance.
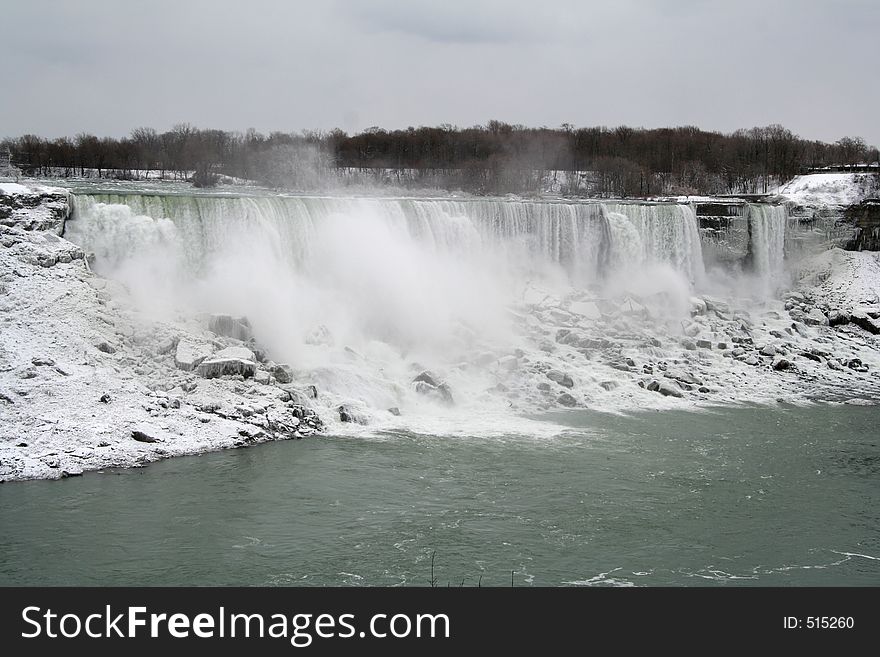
(107, 66)
(455, 21)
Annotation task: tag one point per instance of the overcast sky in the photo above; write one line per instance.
(107, 66)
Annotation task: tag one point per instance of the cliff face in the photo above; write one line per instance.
(34, 207)
(866, 218)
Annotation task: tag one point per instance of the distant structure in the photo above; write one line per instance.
(7, 170)
(872, 167)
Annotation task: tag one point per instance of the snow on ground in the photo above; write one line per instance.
(13, 188)
(834, 189)
(844, 280)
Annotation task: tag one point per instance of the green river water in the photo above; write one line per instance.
(728, 496)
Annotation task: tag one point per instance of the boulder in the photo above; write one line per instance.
(565, 399)
(242, 353)
(801, 329)
(815, 318)
(692, 330)
(781, 364)
(716, 305)
(347, 413)
(429, 385)
(669, 390)
(287, 421)
(166, 346)
(698, 306)
(864, 321)
(704, 344)
(684, 377)
(837, 318)
(561, 378)
(232, 361)
(768, 350)
(188, 354)
(857, 365)
(561, 334)
(283, 373)
(608, 385)
(143, 437)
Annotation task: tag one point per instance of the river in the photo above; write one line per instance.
(749, 495)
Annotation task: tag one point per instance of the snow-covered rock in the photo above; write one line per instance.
(67, 405)
(231, 361)
(34, 207)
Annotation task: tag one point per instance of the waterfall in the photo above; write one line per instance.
(579, 238)
(669, 235)
(627, 249)
(527, 235)
(402, 267)
(767, 224)
(356, 292)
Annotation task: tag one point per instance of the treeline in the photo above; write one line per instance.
(492, 158)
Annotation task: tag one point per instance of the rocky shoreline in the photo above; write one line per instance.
(89, 381)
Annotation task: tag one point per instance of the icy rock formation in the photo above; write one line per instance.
(34, 207)
(231, 361)
(189, 355)
(88, 381)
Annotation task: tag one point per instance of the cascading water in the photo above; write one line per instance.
(627, 249)
(767, 247)
(669, 235)
(528, 234)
